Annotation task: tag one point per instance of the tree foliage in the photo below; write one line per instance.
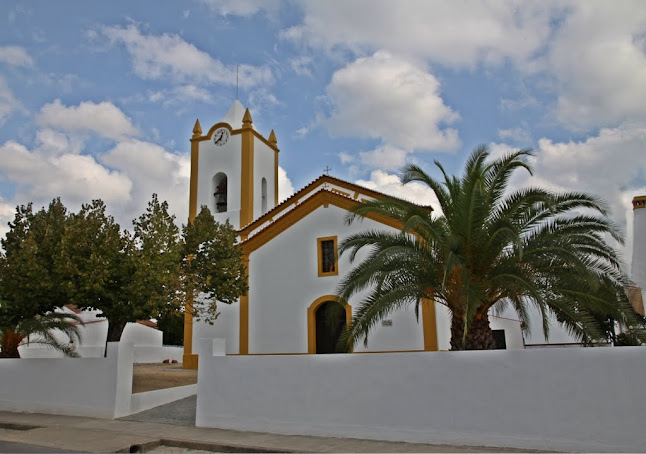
(128, 278)
(489, 249)
(52, 258)
(31, 278)
(212, 267)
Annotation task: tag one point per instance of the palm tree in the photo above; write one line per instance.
(489, 248)
(40, 330)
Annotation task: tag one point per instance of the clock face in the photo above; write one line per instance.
(220, 136)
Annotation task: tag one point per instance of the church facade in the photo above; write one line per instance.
(291, 254)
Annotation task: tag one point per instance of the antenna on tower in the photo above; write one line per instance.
(237, 68)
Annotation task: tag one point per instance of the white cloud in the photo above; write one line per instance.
(459, 32)
(604, 164)
(244, 8)
(146, 165)
(610, 165)
(520, 135)
(8, 103)
(15, 56)
(7, 211)
(53, 143)
(124, 178)
(589, 55)
(346, 158)
(394, 99)
(181, 95)
(300, 65)
(391, 184)
(167, 55)
(285, 187)
(598, 58)
(104, 119)
(384, 157)
(41, 175)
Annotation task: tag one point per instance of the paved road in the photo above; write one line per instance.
(179, 413)
(10, 446)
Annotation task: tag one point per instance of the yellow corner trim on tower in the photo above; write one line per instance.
(190, 360)
(246, 180)
(244, 313)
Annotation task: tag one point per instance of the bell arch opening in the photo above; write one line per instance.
(219, 188)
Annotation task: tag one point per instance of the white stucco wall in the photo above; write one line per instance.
(96, 387)
(226, 159)
(285, 283)
(263, 166)
(141, 335)
(227, 326)
(147, 341)
(563, 399)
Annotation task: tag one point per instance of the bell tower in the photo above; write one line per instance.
(234, 169)
(234, 172)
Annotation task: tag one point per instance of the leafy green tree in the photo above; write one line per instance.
(128, 278)
(32, 281)
(31, 271)
(172, 325)
(98, 265)
(489, 249)
(212, 265)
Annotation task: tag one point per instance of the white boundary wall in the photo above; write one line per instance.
(151, 399)
(565, 399)
(143, 354)
(97, 387)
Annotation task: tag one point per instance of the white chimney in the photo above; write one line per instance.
(638, 269)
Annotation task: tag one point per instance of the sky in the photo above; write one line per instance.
(99, 99)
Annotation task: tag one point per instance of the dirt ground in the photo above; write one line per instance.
(148, 377)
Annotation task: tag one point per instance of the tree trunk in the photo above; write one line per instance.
(9, 342)
(115, 329)
(479, 335)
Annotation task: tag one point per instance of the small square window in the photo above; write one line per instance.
(328, 264)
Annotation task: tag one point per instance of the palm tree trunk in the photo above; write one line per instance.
(479, 335)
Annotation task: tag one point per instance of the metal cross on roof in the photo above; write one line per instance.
(327, 170)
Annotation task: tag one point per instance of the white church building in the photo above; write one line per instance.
(290, 251)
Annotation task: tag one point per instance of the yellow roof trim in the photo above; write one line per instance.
(319, 199)
(295, 199)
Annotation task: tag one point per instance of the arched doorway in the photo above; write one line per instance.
(328, 317)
